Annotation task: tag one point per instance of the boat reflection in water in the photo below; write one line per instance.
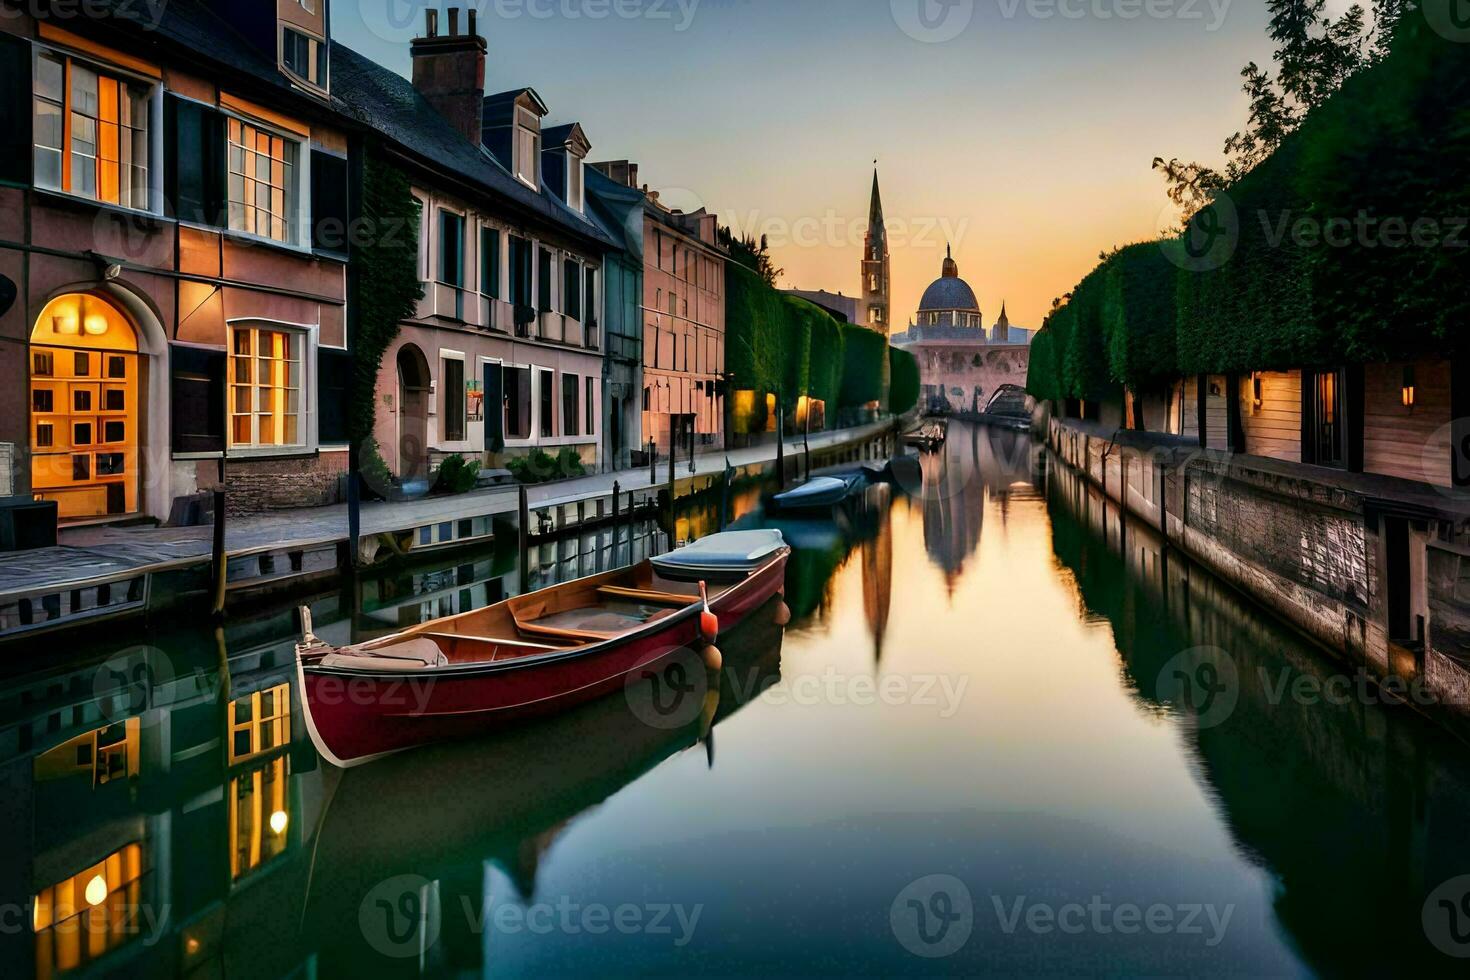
(407, 848)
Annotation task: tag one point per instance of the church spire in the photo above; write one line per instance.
(951, 268)
(875, 207)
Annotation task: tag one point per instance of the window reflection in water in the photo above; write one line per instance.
(258, 817)
(103, 755)
(93, 912)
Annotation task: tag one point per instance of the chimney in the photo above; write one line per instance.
(449, 71)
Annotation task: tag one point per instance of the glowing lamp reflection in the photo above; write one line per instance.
(96, 892)
(278, 822)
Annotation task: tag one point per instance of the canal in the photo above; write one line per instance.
(1004, 732)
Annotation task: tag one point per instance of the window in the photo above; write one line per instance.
(490, 262)
(454, 407)
(548, 403)
(518, 403)
(262, 182)
(304, 56)
(574, 182)
(520, 271)
(528, 147)
(571, 289)
(451, 248)
(591, 296)
(571, 413)
(265, 387)
(543, 280)
(259, 723)
(590, 402)
(103, 120)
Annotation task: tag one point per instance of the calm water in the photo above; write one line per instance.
(1003, 733)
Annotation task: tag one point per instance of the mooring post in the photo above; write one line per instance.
(617, 489)
(806, 438)
(673, 487)
(780, 442)
(524, 509)
(220, 560)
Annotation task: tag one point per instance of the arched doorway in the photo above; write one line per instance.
(413, 414)
(84, 412)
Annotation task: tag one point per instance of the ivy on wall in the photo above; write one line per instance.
(385, 290)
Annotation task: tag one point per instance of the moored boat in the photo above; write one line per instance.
(819, 492)
(532, 655)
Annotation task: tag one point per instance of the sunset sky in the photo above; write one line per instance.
(1026, 137)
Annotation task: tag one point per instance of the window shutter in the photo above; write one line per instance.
(16, 152)
(334, 380)
(198, 395)
(194, 162)
(328, 203)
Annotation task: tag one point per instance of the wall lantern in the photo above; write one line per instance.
(1257, 395)
(1408, 391)
(95, 324)
(64, 325)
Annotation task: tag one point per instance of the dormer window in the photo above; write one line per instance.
(304, 56)
(574, 183)
(528, 147)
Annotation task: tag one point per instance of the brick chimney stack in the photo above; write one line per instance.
(449, 71)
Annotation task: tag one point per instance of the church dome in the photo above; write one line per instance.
(949, 291)
(949, 294)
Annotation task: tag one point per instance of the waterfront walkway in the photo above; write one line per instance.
(88, 554)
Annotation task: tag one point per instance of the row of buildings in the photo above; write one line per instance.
(180, 204)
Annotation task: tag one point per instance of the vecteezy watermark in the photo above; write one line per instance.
(1450, 19)
(832, 229)
(933, 21)
(1446, 917)
(400, 20)
(147, 14)
(938, 21)
(1364, 230)
(1209, 239)
(402, 917)
(1203, 682)
(1100, 917)
(125, 684)
(934, 917)
(678, 691)
(97, 920)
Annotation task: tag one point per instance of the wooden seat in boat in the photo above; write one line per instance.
(648, 595)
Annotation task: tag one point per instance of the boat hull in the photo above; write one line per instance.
(355, 717)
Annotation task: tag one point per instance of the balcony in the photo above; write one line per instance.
(494, 314)
(447, 302)
(551, 325)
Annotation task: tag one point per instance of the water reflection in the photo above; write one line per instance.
(167, 813)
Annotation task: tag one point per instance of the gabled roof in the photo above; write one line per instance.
(499, 109)
(387, 103)
(570, 135)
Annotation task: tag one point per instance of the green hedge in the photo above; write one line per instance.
(1138, 317)
(862, 373)
(755, 318)
(1390, 149)
(903, 390)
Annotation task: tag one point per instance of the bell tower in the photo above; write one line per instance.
(874, 309)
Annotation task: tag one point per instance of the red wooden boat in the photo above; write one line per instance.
(533, 655)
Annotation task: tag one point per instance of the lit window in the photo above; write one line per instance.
(259, 816)
(93, 912)
(265, 387)
(259, 723)
(263, 178)
(103, 120)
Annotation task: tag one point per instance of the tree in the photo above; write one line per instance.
(755, 256)
(1315, 54)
